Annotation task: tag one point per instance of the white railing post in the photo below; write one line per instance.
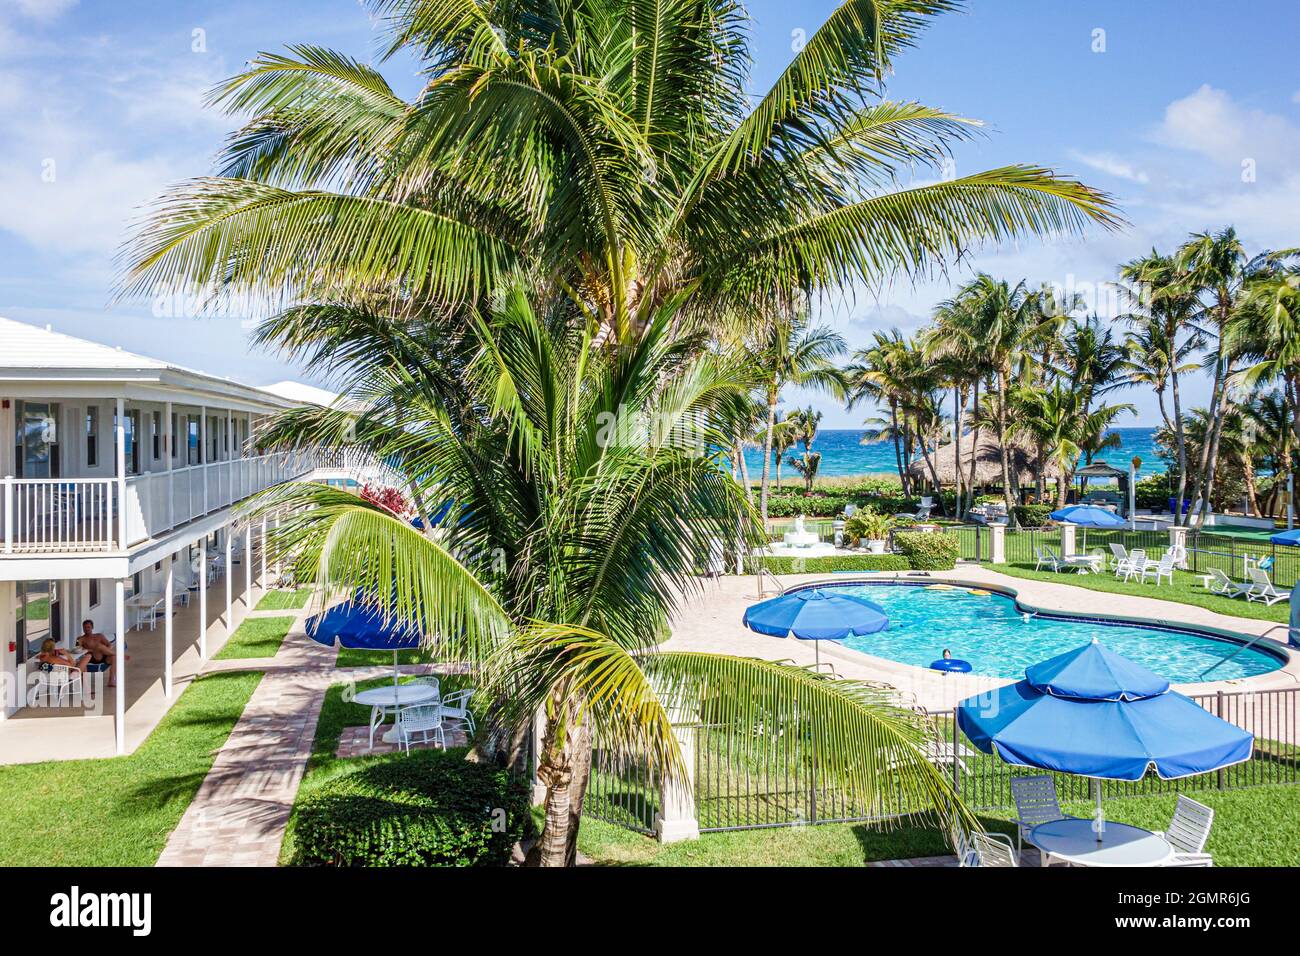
(203, 452)
(9, 513)
(169, 440)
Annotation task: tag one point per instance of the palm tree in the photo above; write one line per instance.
(587, 486)
(1004, 323)
(881, 373)
(1152, 361)
(1162, 309)
(792, 354)
(803, 430)
(608, 147)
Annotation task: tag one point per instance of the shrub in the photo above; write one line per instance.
(929, 550)
(868, 525)
(426, 808)
(1033, 516)
(783, 564)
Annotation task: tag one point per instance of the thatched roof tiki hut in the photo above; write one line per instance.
(988, 463)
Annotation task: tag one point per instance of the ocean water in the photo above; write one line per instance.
(843, 454)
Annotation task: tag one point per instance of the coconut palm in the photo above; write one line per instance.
(803, 431)
(608, 146)
(790, 353)
(587, 486)
(881, 373)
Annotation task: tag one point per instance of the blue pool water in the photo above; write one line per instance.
(992, 633)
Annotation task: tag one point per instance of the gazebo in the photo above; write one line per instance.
(1103, 472)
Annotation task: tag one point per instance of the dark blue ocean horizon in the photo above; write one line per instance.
(843, 454)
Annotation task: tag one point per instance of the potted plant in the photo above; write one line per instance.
(869, 527)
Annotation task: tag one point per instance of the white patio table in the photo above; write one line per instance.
(1073, 841)
(389, 699)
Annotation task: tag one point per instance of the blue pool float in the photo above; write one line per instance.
(952, 665)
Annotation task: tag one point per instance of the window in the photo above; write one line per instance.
(192, 439)
(36, 617)
(94, 592)
(92, 436)
(175, 448)
(155, 425)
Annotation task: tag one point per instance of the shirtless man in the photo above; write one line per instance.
(99, 656)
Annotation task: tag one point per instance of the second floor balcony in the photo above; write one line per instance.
(96, 515)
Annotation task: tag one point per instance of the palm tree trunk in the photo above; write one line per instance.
(1203, 463)
(975, 444)
(767, 456)
(898, 448)
(958, 402)
(1221, 415)
(1180, 439)
(744, 471)
(1248, 474)
(1008, 495)
(564, 769)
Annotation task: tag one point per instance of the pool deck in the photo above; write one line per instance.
(711, 621)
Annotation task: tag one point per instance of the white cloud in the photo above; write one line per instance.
(1210, 123)
(1295, 97)
(41, 10)
(1111, 165)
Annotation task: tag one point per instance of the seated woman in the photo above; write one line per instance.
(51, 654)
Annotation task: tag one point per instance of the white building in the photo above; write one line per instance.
(120, 474)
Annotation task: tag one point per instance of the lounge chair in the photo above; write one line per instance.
(961, 844)
(1188, 832)
(1137, 560)
(1036, 803)
(1046, 557)
(994, 849)
(1119, 554)
(1261, 588)
(1164, 568)
(1216, 582)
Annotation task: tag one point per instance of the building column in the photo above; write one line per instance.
(248, 568)
(263, 554)
(168, 440)
(203, 599)
(676, 820)
(203, 456)
(119, 660)
(997, 543)
(1178, 545)
(230, 574)
(120, 466)
(1068, 534)
(169, 591)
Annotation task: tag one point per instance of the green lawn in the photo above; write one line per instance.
(349, 657)
(256, 637)
(337, 714)
(1186, 589)
(1255, 827)
(119, 811)
(284, 600)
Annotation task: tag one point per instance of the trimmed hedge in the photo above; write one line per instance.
(425, 808)
(1033, 516)
(929, 550)
(828, 563)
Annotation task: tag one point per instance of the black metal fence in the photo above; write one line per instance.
(745, 781)
(976, 542)
(1233, 554)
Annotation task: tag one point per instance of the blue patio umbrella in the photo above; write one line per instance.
(1287, 537)
(816, 614)
(1087, 516)
(361, 626)
(1095, 713)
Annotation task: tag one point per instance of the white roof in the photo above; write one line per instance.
(29, 346)
(302, 393)
(31, 354)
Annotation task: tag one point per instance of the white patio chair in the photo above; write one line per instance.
(422, 719)
(994, 849)
(59, 684)
(428, 680)
(1137, 561)
(961, 844)
(1046, 558)
(1261, 588)
(1188, 833)
(1036, 803)
(455, 707)
(1119, 554)
(1164, 568)
(1216, 582)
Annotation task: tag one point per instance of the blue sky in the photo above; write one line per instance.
(100, 108)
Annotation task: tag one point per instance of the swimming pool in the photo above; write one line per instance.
(994, 635)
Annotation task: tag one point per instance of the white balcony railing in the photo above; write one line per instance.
(57, 515)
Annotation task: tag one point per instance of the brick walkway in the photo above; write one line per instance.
(1028, 857)
(240, 812)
